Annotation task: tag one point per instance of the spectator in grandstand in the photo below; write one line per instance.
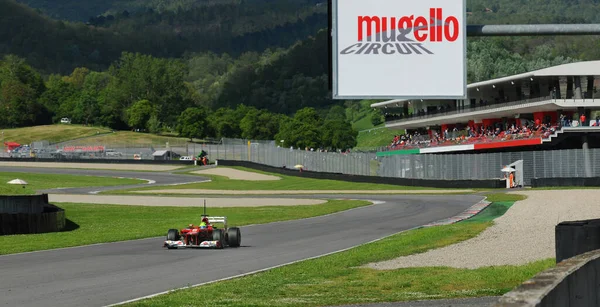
(582, 119)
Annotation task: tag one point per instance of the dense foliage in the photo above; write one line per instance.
(224, 68)
(149, 94)
(233, 28)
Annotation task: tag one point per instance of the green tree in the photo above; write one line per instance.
(58, 93)
(20, 88)
(302, 131)
(261, 124)
(193, 123)
(86, 109)
(338, 134)
(154, 125)
(376, 117)
(336, 112)
(18, 106)
(77, 78)
(139, 114)
(138, 77)
(224, 122)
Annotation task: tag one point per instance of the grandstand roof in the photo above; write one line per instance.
(588, 68)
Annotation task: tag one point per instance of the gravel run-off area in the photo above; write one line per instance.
(294, 192)
(236, 174)
(524, 234)
(180, 201)
(104, 166)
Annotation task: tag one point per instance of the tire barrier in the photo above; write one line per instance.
(27, 214)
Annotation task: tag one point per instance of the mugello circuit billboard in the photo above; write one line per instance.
(397, 49)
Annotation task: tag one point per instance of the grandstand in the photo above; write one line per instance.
(551, 108)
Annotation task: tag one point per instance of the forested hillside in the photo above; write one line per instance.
(75, 10)
(533, 11)
(57, 46)
(243, 68)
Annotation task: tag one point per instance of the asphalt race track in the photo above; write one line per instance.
(105, 274)
(154, 178)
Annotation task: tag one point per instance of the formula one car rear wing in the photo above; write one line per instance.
(214, 219)
(218, 219)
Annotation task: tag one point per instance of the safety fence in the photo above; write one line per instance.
(536, 164)
(477, 166)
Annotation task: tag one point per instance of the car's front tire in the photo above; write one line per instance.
(234, 237)
(173, 235)
(219, 235)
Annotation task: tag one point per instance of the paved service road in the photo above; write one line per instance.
(105, 274)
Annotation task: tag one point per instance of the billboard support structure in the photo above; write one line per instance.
(533, 30)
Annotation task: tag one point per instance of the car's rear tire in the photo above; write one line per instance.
(234, 237)
(173, 235)
(219, 235)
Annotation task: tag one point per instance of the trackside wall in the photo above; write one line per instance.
(484, 184)
(25, 214)
(572, 283)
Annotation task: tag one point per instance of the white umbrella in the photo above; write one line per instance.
(508, 170)
(299, 166)
(17, 181)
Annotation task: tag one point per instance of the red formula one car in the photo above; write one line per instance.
(205, 235)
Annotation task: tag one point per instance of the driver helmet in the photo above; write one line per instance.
(204, 223)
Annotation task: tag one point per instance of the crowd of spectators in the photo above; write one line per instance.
(458, 136)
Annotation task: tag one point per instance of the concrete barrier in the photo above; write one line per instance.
(574, 282)
(453, 184)
(565, 182)
(26, 214)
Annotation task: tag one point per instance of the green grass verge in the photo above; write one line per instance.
(374, 138)
(89, 224)
(337, 279)
(503, 197)
(493, 211)
(90, 136)
(50, 181)
(364, 123)
(51, 133)
(286, 183)
(129, 138)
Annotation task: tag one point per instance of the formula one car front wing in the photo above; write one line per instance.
(180, 244)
